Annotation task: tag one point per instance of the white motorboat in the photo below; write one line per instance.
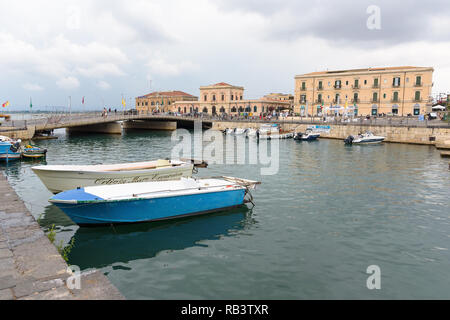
(308, 135)
(236, 131)
(364, 138)
(58, 178)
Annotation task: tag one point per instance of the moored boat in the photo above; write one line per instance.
(151, 201)
(9, 149)
(59, 178)
(308, 135)
(33, 152)
(364, 138)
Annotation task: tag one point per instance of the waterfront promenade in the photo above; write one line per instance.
(30, 266)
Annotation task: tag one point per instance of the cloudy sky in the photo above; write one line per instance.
(50, 50)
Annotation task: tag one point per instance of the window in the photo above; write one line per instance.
(223, 97)
(375, 83)
(205, 97)
(240, 98)
(337, 84)
(241, 109)
(336, 100)
(356, 83)
(375, 97)
(346, 83)
(396, 82)
(384, 96)
(232, 97)
(395, 97)
(248, 109)
(222, 110)
(319, 98)
(395, 109)
(303, 85)
(233, 109)
(355, 97)
(365, 81)
(214, 97)
(374, 111)
(213, 109)
(417, 96)
(255, 109)
(320, 85)
(416, 110)
(303, 98)
(205, 110)
(418, 81)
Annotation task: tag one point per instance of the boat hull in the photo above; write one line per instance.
(97, 213)
(59, 180)
(6, 154)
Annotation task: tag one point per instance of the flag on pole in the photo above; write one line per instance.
(82, 101)
(5, 104)
(123, 102)
(31, 104)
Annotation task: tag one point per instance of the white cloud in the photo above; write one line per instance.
(32, 87)
(103, 85)
(68, 83)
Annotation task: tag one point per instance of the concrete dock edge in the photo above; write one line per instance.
(31, 267)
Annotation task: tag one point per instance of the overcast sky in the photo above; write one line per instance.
(50, 50)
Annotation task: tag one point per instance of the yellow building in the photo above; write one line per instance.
(394, 90)
(224, 98)
(161, 101)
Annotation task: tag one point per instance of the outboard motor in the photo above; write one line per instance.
(349, 140)
(298, 136)
(15, 146)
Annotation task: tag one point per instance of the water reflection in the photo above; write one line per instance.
(101, 247)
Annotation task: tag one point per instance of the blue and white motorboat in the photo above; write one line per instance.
(9, 149)
(151, 201)
(364, 138)
(308, 135)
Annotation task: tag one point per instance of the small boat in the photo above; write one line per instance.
(59, 178)
(365, 138)
(9, 149)
(236, 131)
(268, 129)
(33, 152)
(152, 201)
(308, 135)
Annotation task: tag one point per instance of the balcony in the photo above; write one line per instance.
(303, 89)
(418, 84)
(393, 100)
(319, 101)
(375, 86)
(417, 100)
(320, 88)
(337, 87)
(356, 86)
(395, 85)
(377, 100)
(356, 100)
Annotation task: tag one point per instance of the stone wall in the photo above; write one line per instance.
(413, 135)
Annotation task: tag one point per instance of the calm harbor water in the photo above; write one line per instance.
(329, 213)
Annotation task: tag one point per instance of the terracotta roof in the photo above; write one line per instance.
(359, 70)
(167, 94)
(222, 84)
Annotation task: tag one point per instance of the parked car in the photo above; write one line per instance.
(432, 116)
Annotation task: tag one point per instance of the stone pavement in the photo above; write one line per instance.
(30, 266)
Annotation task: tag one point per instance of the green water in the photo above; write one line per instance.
(329, 213)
